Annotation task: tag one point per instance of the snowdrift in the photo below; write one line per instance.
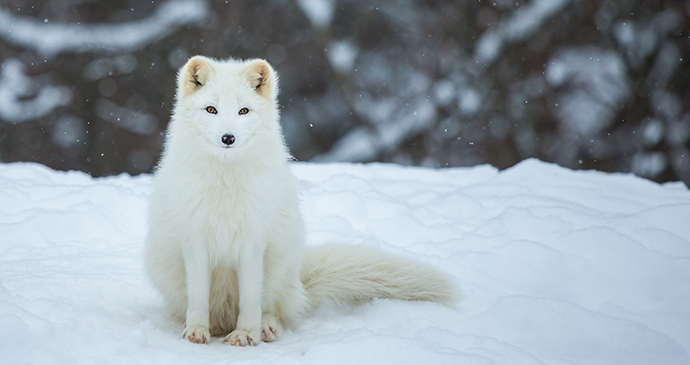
(557, 267)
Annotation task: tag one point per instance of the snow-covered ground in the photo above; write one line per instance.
(557, 266)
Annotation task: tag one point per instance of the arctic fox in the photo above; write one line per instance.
(226, 240)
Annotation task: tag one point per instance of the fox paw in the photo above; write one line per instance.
(243, 337)
(270, 327)
(197, 334)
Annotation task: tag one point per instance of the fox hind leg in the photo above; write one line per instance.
(270, 327)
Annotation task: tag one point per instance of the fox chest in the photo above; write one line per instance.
(223, 218)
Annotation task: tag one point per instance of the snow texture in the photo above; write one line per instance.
(51, 39)
(557, 266)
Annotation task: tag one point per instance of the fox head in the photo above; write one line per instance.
(226, 107)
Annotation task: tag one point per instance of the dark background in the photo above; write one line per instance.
(587, 84)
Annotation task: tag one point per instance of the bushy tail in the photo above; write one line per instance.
(347, 273)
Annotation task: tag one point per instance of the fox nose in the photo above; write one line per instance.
(227, 139)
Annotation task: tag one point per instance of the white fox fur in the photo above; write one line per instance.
(226, 240)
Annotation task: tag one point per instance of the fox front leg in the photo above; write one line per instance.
(250, 281)
(198, 291)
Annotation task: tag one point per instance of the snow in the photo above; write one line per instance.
(362, 144)
(594, 87)
(444, 92)
(319, 12)
(652, 132)
(357, 145)
(140, 123)
(68, 131)
(342, 55)
(470, 102)
(108, 66)
(49, 39)
(648, 164)
(24, 98)
(15, 86)
(678, 131)
(557, 267)
(520, 25)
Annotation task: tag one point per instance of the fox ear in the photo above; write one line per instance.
(194, 75)
(262, 78)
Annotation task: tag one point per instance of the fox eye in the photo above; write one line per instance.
(211, 110)
(244, 111)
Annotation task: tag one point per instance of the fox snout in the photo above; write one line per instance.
(227, 139)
